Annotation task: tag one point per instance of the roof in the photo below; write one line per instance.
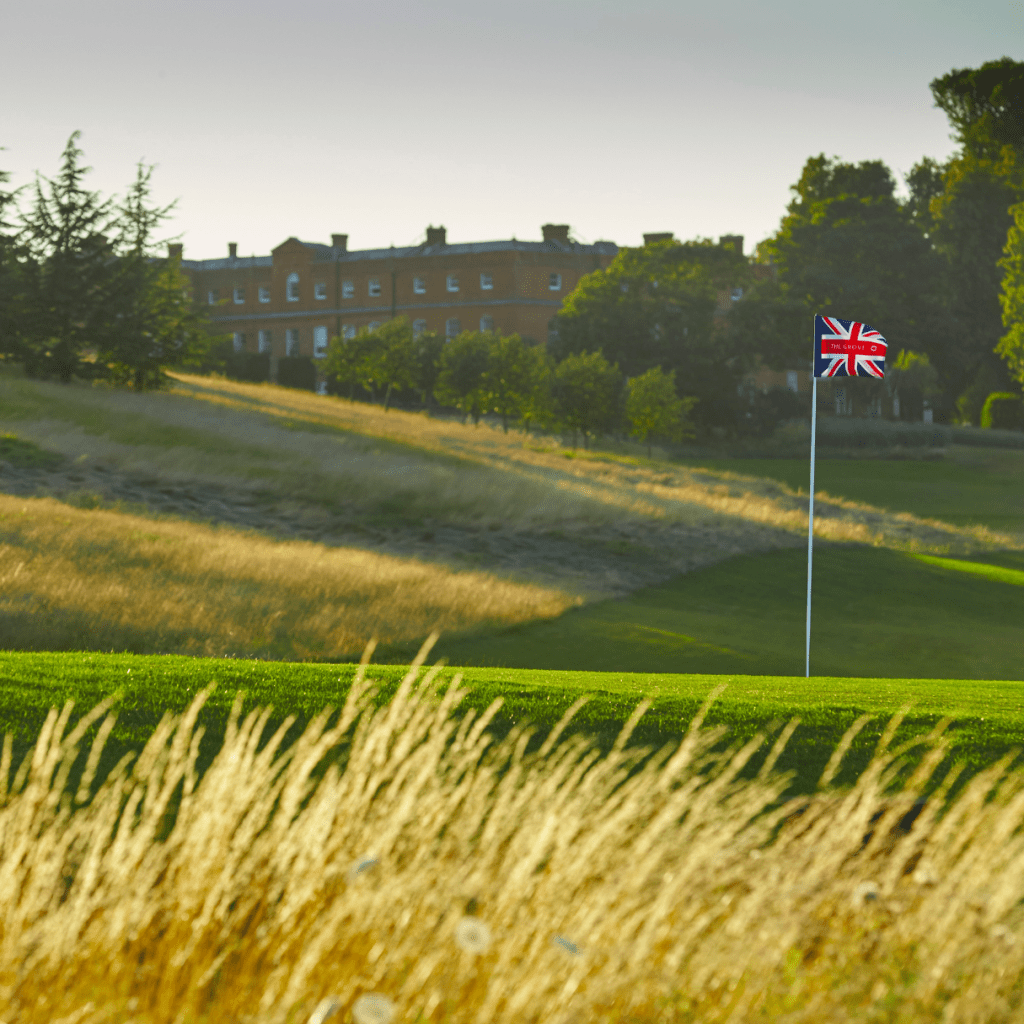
(330, 254)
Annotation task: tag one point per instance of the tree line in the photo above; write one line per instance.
(82, 290)
(483, 373)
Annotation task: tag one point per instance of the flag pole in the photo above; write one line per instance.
(810, 521)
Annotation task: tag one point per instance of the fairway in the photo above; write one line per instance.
(875, 613)
(968, 487)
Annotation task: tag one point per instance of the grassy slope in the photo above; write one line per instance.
(973, 487)
(875, 613)
(989, 714)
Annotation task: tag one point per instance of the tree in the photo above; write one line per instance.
(1011, 345)
(71, 277)
(848, 248)
(462, 371)
(12, 258)
(391, 358)
(654, 408)
(587, 390)
(349, 364)
(665, 304)
(972, 217)
(516, 374)
(912, 380)
(155, 323)
(426, 363)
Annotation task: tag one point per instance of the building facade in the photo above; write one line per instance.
(292, 302)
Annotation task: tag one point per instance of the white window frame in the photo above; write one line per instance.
(554, 282)
(211, 297)
(453, 282)
(348, 332)
(292, 289)
(452, 327)
(736, 294)
(264, 293)
(348, 289)
(419, 285)
(238, 294)
(291, 342)
(320, 341)
(238, 341)
(418, 327)
(486, 282)
(486, 323)
(320, 290)
(265, 341)
(373, 288)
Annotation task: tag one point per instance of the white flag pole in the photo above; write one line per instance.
(810, 520)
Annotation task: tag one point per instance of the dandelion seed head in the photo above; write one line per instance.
(866, 892)
(567, 944)
(472, 934)
(373, 1008)
(327, 1007)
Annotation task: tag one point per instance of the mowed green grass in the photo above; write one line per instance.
(875, 612)
(970, 487)
(989, 715)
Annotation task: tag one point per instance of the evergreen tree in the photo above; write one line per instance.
(71, 278)
(155, 322)
(12, 259)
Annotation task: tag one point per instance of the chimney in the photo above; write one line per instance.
(555, 233)
(340, 242)
(436, 236)
(232, 250)
(658, 236)
(174, 251)
(732, 242)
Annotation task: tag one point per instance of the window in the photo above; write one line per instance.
(348, 289)
(453, 283)
(348, 332)
(238, 341)
(452, 327)
(239, 296)
(792, 381)
(555, 282)
(320, 290)
(293, 288)
(211, 296)
(319, 342)
(264, 293)
(291, 341)
(486, 282)
(419, 285)
(736, 294)
(418, 327)
(374, 326)
(265, 341)
(487, 323)
(375, 286)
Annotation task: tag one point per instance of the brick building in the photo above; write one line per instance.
(304, 293)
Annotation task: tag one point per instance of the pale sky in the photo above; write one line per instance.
(307, 117)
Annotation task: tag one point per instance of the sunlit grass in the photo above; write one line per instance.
(102, 580)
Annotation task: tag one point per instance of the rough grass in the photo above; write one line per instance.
(437, 876)
(98, 580)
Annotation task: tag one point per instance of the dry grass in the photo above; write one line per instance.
(453, 880)
(97, 579)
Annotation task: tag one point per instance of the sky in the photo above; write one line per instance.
(269, 119)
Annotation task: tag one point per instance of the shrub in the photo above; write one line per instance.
(296, 372)
(1003, 411)
(248, 366)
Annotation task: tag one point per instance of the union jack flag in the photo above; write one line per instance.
(845, 348)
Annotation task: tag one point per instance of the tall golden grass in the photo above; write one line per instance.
(437, 876)
(71, 578)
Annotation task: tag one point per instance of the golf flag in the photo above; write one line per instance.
(845, 348)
